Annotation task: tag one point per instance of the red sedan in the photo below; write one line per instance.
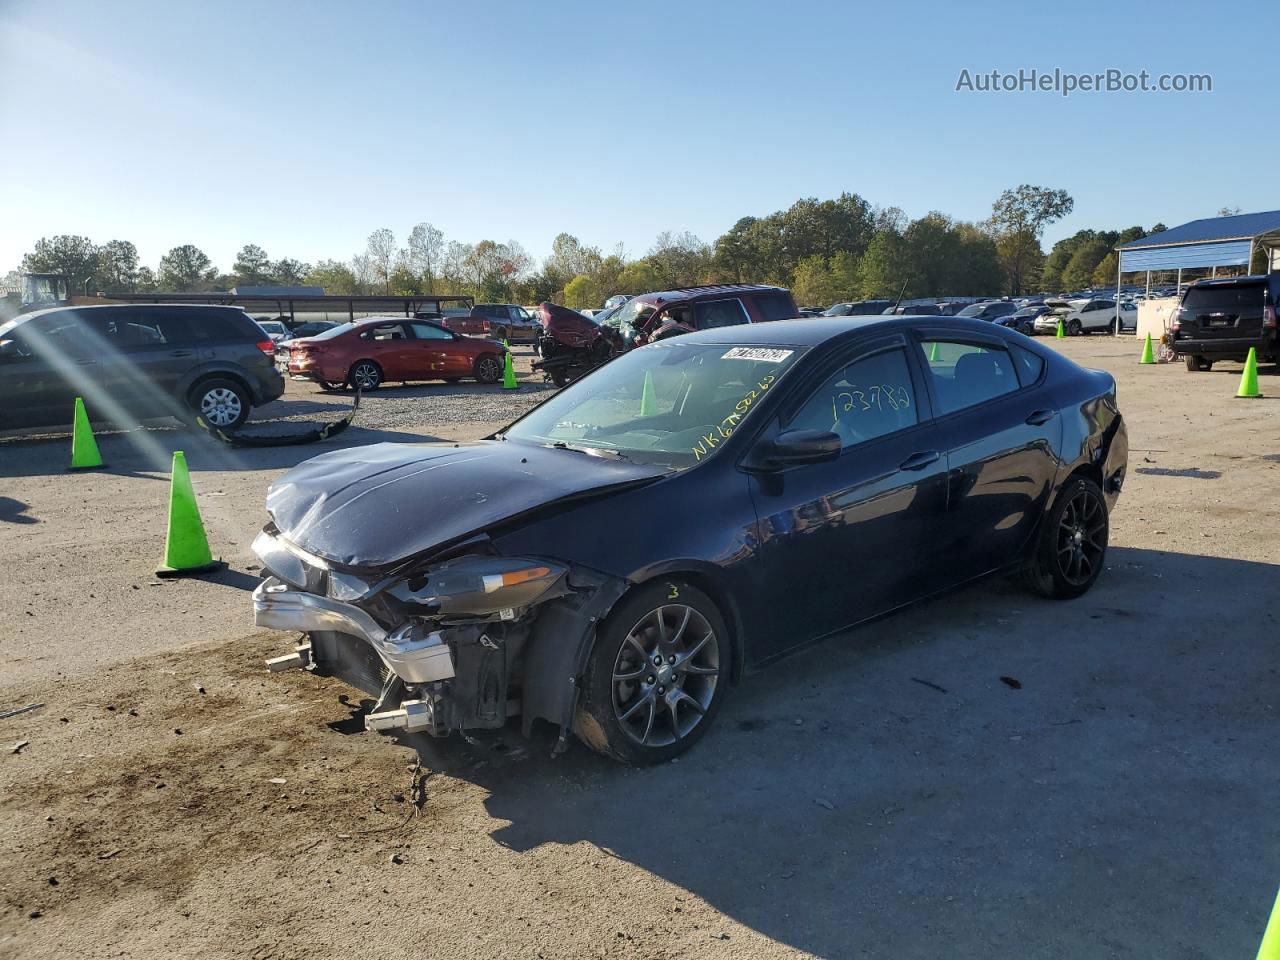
(368, 353)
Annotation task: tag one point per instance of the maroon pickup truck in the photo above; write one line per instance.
(502, 321)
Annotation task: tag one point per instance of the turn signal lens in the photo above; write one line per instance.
(268, 347)
(497, 581)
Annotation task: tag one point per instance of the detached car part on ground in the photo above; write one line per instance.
(614, 560)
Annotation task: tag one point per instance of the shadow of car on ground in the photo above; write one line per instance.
(843, 809)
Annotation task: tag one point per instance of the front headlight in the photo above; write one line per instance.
(477, 586)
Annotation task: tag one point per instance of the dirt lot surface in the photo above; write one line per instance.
(985, 774)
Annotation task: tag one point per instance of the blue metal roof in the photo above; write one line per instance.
(1224, 253)
(1245, 226)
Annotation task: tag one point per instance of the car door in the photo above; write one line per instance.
(1001, 430)
(846, 539)
(438, 352)
(57, 357)
(391, 347)
(155, 349)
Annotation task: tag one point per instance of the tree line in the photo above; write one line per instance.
(826, 251)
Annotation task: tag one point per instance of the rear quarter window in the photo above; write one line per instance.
(1030, 365)
(775, 306)
(222, 325)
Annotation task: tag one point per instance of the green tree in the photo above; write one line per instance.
(186, 268)
(289, 272)
(252, 267)
(117, 269)
(1104, 274)
(679, 260)
(881, 269)
(73, 257)
(581, 292)
(1085, 260)
(639, 276)
(1018, 218)
(335, 277)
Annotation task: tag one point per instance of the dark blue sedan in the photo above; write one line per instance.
(616, 559)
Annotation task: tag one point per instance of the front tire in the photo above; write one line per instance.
(1197, 364)
(222, 403)
(1074, 328)
(1071, 548)
(488, 369)
(657, 675)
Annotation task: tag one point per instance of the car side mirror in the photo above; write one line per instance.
(794, 447)
(9, 350)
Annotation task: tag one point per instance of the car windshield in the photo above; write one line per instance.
(669, 403)
(838, 310)
(972, 311)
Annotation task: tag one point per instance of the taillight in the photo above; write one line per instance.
(485, 325)
(1269, 316)
(268, 347)
(1176, 326)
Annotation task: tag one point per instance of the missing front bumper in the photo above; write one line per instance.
(409, 651)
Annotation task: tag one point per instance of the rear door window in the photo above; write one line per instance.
(719, 313)
(425, 331)
(385, 331)
(967, 374)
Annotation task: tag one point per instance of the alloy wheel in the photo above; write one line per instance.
(665, 675)
(220, 407)
(1081, 537)
(489, 370)
(365, 376)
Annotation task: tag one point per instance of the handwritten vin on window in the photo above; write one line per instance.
(724, 429)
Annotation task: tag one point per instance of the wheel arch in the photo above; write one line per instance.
(560, 642)
(204, 374)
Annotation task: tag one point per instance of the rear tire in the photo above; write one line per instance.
(222, 403)
(1071, 547)
(621, 713)
(365, 376)
(1197, 363)
(1074, 328)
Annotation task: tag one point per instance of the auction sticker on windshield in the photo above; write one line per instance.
(762, 354)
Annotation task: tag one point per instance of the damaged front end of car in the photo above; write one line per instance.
(460, 640)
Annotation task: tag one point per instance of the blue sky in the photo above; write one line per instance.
(304, 127)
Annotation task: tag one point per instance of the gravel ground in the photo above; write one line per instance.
(396, 406)
(888, 793)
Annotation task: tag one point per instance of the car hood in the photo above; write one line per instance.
(376, 505)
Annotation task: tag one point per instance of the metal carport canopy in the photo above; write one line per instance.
(1211, 242)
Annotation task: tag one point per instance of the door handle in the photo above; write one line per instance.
(1041, 417)
(180, 353)
(918, 461)
(87, 361)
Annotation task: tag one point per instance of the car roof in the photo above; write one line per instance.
(815, 331)
(127, 306)
(706, 291)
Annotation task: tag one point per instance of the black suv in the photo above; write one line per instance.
(1222, 319)
(135, 362)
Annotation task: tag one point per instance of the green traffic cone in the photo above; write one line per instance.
(509, 374)
(933, 353)
(1062, 333)
(1148, 355)
(648, 401)
(84, 449)
(1249, 379)
(186, 549)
